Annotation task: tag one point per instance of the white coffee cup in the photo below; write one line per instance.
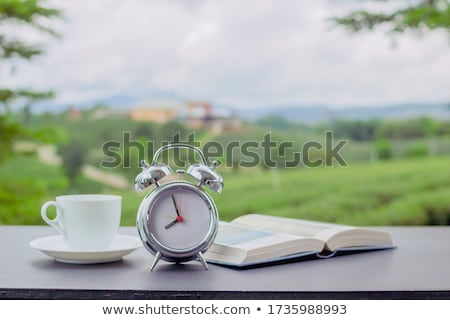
(87, 222)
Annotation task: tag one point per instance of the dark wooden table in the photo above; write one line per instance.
(419, 268)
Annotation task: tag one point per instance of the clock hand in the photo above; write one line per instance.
(176, 207)
(171, 224)
(178, 219)
(179, 216)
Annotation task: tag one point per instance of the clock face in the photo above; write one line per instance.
(179, 217)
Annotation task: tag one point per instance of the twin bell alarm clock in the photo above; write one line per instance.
(177, 220)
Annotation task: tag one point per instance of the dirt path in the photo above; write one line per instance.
(47, 154)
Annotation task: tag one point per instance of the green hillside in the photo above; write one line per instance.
(407, 192)
(394, 177)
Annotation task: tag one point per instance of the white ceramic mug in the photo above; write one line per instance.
(86, 221)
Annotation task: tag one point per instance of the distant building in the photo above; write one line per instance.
(223, 125)
(198, 115)
(103, 113)
(159, 111)
(193, 114)
(201, 115)
(160, 116)
(74, 114)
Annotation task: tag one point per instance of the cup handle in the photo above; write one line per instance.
(53, 222)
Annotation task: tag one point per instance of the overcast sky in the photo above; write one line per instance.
(237, 52)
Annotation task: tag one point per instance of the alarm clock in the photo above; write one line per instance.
(177, 221)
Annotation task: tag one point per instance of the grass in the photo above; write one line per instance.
(396, 192)
(25, 183)
(410, 189)
(391, 193)
(407, 192)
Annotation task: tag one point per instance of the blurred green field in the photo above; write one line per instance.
(407, 192)
(394, 192)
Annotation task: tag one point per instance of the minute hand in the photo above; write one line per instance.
(175, 204)
(179, 217)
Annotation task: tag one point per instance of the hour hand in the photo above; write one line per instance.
(177, 219)
(171, 224)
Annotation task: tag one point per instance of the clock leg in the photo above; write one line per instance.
(202, 260)
(155, 260)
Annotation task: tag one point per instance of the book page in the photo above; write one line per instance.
(304, 228)
(256, 238)
(239, 236)
(334, 235)
(238, 244)
(231, 235)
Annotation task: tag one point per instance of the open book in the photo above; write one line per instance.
(258, 239)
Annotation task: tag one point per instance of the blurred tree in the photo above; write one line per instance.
(443, 128)
(172, 130)
(145, 130)
(275, 121)
(8, 132)
(73, 157)
(407, 129)
(416, 150)
(357, 130)
(418, 15)
(383, 149)
(13, 13)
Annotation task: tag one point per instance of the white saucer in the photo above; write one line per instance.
(55, 247)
